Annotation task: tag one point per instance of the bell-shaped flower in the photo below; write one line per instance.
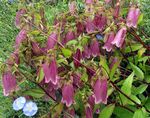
(107, 1)
(68, 94)
(19, 16)
(91, 101)
(69, 36)
(100, 91)
(52, 40)
(80, 28)
(14, 58)
(117, 10)
(30, 109)
(9, 83)
(50, 72)
(89, 1)
(88, 112)
(19, 103)
(72, 7)
(132, 17)
(36, 49)
(77, 57)
(90, 27)
(100, 22)
(108, 44)
(77, 83)
(87, 52)
(94, 47)
(120, 37)
(21, 37)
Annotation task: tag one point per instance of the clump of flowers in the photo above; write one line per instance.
(86, 63)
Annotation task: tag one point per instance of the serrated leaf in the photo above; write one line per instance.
(133, 48)
(107, 111)
(138, 72)
(37, 93)
(66, 52)
(139, 114)
(126, 88)
(140, 89)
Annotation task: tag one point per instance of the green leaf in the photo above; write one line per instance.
(139, 114)
(107, 111)
(104, 64)
(133, 48)
(140, 18)
(138, 72)
(84, 77)
(72, 42)
(37, 93)
(140, 89)
(40, 77)
(66, 52)
(126, 88)
(122, 113)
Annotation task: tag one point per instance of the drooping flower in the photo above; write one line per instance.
(14, 58)
(80, 28)
(87, 52)
(21, 37)
(100, 91)
(30, 109)
(108, 44)
(117, 10)
(72, 7)
(91, 101)
(88, 112)
(100, 22)
(90, 27)
(50, 72)
(19, 103)
(52, 40)
(9, 83)
(107, 1)
(36, 49)
(113, 61)
(94, 47)
(19, 15)
(76, 80)
(89, 1)
(69, 36)
(77, 57)
(120, 37)
(132, 17)
(68, 94)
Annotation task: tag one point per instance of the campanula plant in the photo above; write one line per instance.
(77, 62)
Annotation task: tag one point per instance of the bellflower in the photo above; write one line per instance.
(100, 91)
(100, 22)
(19, 15)
(77, 56)
(19, 103)
(87, 52)
(50, 72)
(69, 36)
(72, 7)
(94, 47)
(91, 101)
(80, 28)
(36, 49)
(68, 95)
(120, 37)
(30, 109)
(117, 10)
(9, 83)
(20, 37)
(107, 1)
(52, 40)
(109, 38)
(89, 1)
(132, 17)
(88, 112)
(89, 26)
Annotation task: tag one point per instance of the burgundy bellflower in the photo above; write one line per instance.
(88, 112)
(100, 91)
(9, 83)
(50, 72)
(120, 37)
(52, 40)
(68, 94)
(109, 38)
